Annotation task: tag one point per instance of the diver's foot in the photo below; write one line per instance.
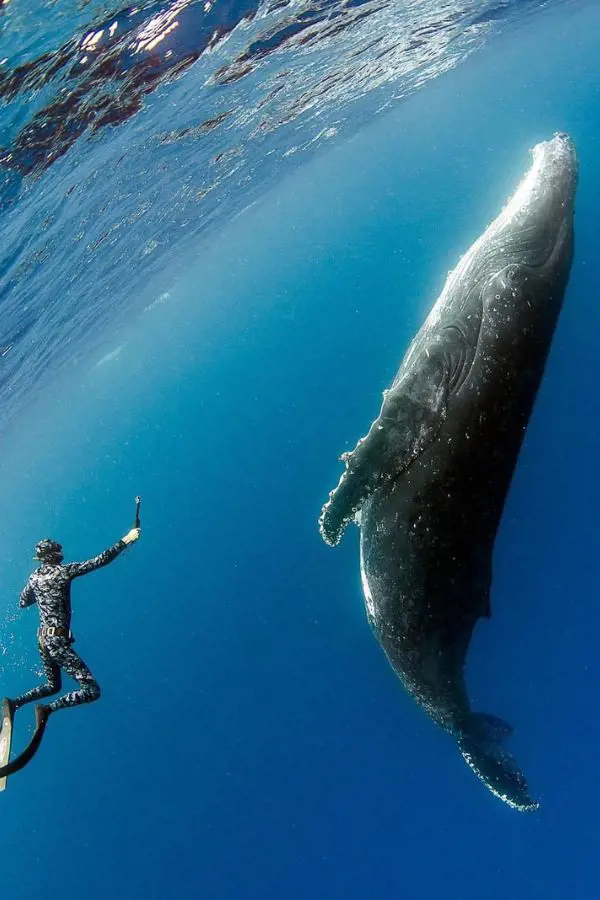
(42, 714)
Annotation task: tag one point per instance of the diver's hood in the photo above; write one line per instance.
(48, 550)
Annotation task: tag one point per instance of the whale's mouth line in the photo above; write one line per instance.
(518, 206)
(531, 253)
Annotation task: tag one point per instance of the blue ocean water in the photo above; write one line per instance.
(206, 314)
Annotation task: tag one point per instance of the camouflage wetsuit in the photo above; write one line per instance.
(50, 587)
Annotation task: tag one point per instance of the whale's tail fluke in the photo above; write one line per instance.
(482, 746)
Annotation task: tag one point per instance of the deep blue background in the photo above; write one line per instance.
(251, 741)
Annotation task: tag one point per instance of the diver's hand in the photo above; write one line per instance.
(132, 536)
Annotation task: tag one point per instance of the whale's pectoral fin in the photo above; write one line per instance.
(411, 415)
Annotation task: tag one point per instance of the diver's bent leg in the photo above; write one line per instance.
(89, 689)
(53, 681)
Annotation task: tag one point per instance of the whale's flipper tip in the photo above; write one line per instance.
(345, 500)
(484, 752)
(332, 522)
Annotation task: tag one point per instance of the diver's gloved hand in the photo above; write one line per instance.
(132, 536)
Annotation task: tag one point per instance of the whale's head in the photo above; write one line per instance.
(531, 238)
(518, 267)
(535, 228)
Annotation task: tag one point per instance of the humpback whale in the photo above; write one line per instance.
(427, 484)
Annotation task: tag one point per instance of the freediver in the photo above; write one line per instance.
(50, 587)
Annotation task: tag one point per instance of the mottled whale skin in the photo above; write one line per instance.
(427, 484)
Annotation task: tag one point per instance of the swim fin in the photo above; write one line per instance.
(9, 768)
(8, 712)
